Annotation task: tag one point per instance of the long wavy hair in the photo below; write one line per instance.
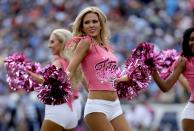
(77, 25)
(186, 50)
(63, 36)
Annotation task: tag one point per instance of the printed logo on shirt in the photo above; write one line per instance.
(106, 70)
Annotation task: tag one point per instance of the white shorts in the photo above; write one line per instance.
(111, 109)
(63, 115)
(77, 108)
(188, 111)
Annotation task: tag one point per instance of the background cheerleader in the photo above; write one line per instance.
(184, 65)
(63, 116)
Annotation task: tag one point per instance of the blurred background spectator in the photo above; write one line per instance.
(25, 26)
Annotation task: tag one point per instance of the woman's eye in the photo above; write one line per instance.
(192, 39)
(95, 21)
(86, 22)
(51, 41)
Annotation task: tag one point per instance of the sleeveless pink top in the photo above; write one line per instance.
(98, 61)
(189, 74)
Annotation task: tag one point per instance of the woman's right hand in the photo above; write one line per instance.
(120, 79)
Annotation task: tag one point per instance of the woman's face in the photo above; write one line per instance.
(91, 24)
(191, 42)
(54, 45)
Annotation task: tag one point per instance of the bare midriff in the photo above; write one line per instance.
(104, 95)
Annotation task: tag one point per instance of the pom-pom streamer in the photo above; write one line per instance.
(165, 60)
(56, 88)
(139, 79)
(17, 66)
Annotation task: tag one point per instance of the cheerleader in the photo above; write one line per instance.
(103, 110)
(64, 116)
(183, 66)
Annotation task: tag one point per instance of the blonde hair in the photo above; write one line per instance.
(78, 23)
(63, 36)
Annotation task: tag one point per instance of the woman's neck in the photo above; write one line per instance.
(98, 40)
(55, 57)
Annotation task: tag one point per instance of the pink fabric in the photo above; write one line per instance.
(63, 63)
(75, 93)
(76, 39)
(191, 4)
(189, 74)
(98, 60)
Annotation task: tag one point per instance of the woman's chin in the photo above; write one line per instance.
(93, 34)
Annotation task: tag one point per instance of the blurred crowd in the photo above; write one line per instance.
(25, 26)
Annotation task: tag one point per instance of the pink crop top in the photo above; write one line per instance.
(189, 74)
(98, 61)
(63, 63)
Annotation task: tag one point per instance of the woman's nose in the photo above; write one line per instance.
(49, 45)
(91, 24)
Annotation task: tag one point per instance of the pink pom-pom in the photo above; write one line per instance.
(138, 68)
(165, 60)
(125, 90)
(56, 88)
(145, 53)
(17, 66)
(139, 79)
(144, 50)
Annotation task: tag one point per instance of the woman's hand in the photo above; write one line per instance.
(36, 77)
(120, 79)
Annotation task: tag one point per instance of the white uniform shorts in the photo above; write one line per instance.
(77, 108)
(188, 111)
(111, 109)
(63, 115)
